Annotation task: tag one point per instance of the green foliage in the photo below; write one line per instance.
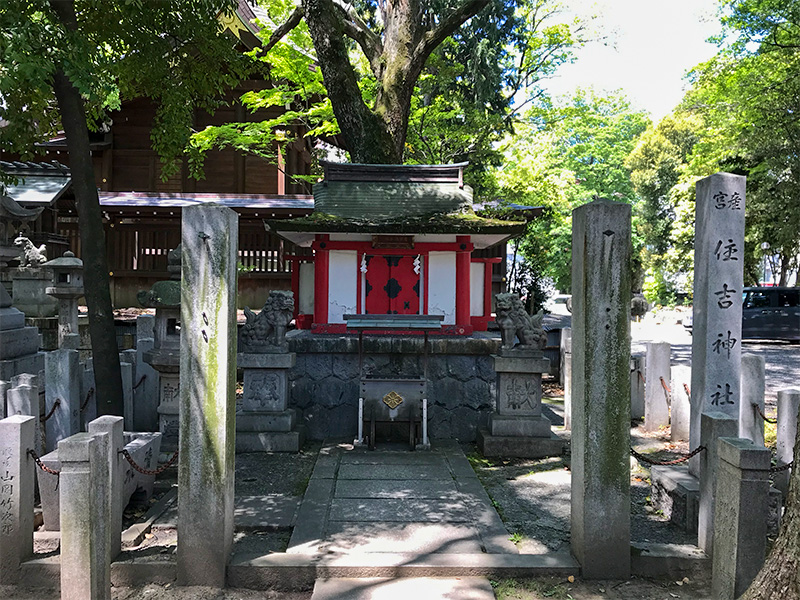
(561, 156)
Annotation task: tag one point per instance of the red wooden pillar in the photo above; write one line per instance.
(321, 260)
(487, 290)
(462, 280)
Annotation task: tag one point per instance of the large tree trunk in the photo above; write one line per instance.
(779, 578)
(108, 379)
(364, 134)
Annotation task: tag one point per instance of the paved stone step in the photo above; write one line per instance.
(420, 538)
(402, 510)
(392, 458)
(300, 571)
(395, 488)
(430, 588)
(384, 471)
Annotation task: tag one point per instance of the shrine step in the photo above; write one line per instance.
(297, 572)
(378, 588)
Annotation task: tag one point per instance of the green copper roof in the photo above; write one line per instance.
(460, 223)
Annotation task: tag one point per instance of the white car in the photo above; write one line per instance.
(560, 304)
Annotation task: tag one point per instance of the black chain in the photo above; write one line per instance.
(781, 468)
(89, 395)
(141, 381)
(677, 461)
(52, 410)
(144, 471)
(763, 416)
(40, 464)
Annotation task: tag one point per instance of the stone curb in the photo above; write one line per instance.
(134, 534)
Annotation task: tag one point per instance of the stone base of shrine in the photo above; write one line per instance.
(519, 447)
(271, 441)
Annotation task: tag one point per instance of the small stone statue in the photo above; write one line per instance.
(515, 322)
(639, 306)
(30, 255)
(266, 331)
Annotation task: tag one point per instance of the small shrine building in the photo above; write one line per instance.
(397, 240)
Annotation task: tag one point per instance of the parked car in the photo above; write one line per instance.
(768, 313)
(560, 304)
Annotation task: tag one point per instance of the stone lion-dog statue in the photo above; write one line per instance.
(514, 322)
(266, 331)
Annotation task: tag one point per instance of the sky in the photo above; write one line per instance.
(650, 45)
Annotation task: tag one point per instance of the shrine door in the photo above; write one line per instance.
(391, 285)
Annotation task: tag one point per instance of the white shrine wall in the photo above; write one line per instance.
(342, 284)
(442, 285)
(476, 285)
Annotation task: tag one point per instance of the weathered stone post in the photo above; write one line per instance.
(788, 406)
(207, 394)
(714, 425)
(717, 312)
(83, 488)
(566, 374)
(24, 400)
(601, 291)
(656, 397)
(63, 385)
(16, 495)
(680, 412)
(740, 517)
(113, 427)
(751, 425)
(145, 393)
(638, 368)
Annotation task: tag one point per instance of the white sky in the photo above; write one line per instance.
(650, 46)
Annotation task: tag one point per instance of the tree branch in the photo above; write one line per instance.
(445, 28)
(278, 34)
(356, 29)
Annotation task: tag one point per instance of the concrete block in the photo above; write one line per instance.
(521, 447)
(714, 425)
(676, 492)
(271, 441)
(265, 421)
(18, 342)
(519, 426)
(145, 327)
(740, 516)
(112, 427)
(62, 383)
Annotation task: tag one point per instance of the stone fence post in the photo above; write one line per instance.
(24, 400)
(740, 516)
(84, 506)
(656, 396)
(788, 405)
(16, 495)
(680, 412)
(145, 392)
(113, 427)
(751, 425)
(601, 403)
(713, 425)
(62, 385)
(565, 374)
(638, 366)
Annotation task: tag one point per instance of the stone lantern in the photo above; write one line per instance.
(67, 288)
(165, 297)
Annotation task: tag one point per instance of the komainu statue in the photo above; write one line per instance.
(266, 331)
(515, 322)
(30, 255)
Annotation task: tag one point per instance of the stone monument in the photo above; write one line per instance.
(19, 345)
(517, 427)
(165, 297)
(264, 422)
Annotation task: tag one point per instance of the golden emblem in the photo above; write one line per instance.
(392, 400)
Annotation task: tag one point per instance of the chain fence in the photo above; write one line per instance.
(144, 471)
(676, 461)
(140, 382)
(40, 464)
(56, 404)
(762, 415)
(89, 395)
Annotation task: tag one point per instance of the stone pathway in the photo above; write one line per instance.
(392, 501)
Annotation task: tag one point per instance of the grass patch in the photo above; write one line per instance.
(770, 435)
(510, 589)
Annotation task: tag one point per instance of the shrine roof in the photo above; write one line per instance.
(301, 230)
